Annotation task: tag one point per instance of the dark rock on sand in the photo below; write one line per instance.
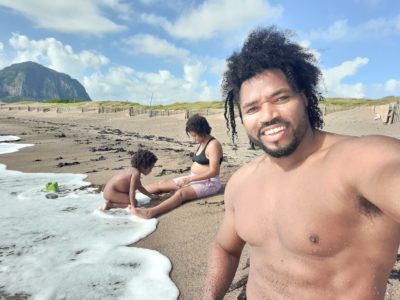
(60, 165)
(177, 171)
(51, 196)
(99, 158)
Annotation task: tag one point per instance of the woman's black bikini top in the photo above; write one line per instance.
(201, 158)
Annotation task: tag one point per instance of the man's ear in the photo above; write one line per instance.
(305, 99)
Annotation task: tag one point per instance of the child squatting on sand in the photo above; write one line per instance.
(120, 190)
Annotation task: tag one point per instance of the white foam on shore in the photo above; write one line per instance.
(6, 147)
(67, 248)
(142, 198)
(9, 138)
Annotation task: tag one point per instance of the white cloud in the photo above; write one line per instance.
(151, 45)
(55, 55)
(216, 16)
(307, 45)
(126, 84)
(333, 79)
(122, 83)
(193, 71)
(216, 66)
(123, 9)
(392, 86)
(3, 59)
(340, 30)
(115, 83)
(389, 88)
(336, 31)
(78, 17)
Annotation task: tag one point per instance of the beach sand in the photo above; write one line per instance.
(100, 145)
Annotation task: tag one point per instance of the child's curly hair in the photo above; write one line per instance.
(268, 48)
(143, 159)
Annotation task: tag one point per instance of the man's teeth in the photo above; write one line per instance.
(274, 130)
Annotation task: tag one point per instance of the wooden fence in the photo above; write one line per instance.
(331, 109)
(389, 113)
(153, 112)
(108, 109)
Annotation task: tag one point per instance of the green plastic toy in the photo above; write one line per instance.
(52, 187)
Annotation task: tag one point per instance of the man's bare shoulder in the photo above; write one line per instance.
(364, 145)
(354, 157)
(244, 171)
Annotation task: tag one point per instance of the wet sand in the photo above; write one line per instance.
(100, 145)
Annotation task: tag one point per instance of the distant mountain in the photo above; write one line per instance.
(30, 81)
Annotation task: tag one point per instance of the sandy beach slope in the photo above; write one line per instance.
(100, 145)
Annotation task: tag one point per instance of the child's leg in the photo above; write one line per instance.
(180, 196)
(115, 199)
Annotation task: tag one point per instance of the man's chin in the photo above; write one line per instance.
(277, 152)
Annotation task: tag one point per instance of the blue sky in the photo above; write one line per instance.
(175, 51)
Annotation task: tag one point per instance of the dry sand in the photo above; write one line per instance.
(99, 145)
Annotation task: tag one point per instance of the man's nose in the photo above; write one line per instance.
(268, 112)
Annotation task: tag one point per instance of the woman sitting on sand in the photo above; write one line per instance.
(203, 179)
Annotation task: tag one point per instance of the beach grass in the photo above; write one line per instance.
(352, 102)
(122, 105)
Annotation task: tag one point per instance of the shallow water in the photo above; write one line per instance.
(66, 248)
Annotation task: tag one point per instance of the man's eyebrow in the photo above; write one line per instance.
(280, 91)
(248, 104)
(274, 94)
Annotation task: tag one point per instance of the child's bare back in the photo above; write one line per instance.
(120, 182)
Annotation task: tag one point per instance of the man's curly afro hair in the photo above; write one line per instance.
(269, 48)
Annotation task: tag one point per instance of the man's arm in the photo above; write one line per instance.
(378, 173)
(224, 255)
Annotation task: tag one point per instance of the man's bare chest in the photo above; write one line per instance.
(307, 215)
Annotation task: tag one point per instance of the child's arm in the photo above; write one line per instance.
(134, 185)
(142, 189)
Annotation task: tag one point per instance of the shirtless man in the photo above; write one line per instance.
(320, 212)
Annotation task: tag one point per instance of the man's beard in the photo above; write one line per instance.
(283, 151)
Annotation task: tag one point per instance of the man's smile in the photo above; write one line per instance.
(273, 131)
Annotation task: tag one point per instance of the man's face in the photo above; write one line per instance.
(274, 115)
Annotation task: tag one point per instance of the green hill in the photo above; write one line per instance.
(30, 81)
